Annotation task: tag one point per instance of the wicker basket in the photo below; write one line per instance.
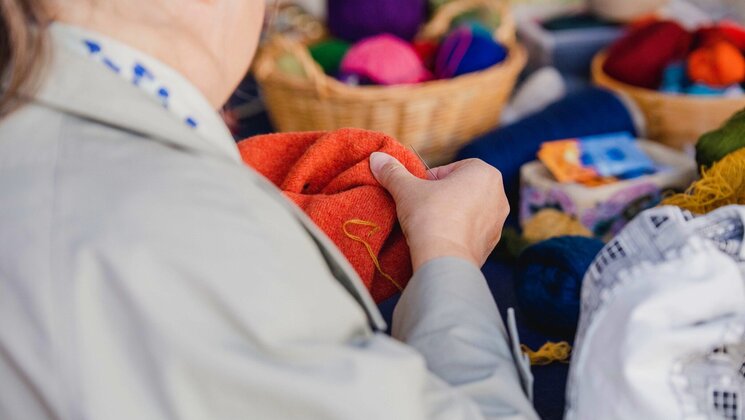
(435, 117)
(675, 120)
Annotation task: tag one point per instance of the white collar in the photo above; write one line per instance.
(161, 83)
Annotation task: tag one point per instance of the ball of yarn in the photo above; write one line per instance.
(674, 78)
(353, 20)
(715, 145)
(624, 10)
(329, 54)
(552, 223)
(582, 113)
(721, 185)
(481, 19)
(723, 31)
(385, 60)
(288, 64)
(548, 282)
(734, 33)
(427, 51)
(466, 50)
(717, 64)
(640, 57)
(477, 28)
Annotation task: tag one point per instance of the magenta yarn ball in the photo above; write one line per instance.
(384, 60)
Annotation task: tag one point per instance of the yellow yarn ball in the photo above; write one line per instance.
(550, 223)
(721, 185)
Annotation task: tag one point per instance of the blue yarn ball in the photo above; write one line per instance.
(549, 281)
(468, 49)
(583, 113)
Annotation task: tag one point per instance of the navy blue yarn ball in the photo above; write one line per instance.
(549, 281)
(587, 112)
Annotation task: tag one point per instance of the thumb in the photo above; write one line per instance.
(391, 174)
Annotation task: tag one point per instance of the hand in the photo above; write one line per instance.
(461, 214)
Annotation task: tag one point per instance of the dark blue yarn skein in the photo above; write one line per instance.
(586, 112)
(548, 282)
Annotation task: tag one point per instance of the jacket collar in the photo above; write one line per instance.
(77, 85)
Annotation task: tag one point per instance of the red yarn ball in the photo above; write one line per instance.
(724, 31)
(734, 32)
(426, 50)
(641, 56)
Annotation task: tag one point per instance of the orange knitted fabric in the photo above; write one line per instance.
(718, 64)
(327, 174)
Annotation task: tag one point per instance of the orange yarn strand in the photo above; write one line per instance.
(367, 245)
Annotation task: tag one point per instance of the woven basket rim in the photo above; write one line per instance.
(515, 61)
(317, 81)
(600, 77)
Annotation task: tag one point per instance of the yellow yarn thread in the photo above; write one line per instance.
(548, 353)
(550, 223)
(721, 185)
(367, 245)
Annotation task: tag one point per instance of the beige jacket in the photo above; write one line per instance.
(146, 273)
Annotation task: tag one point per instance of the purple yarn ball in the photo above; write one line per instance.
(466, 50)
(353, 20)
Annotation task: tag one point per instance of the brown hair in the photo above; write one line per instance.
(22, 44)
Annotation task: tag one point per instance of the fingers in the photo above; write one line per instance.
(391, 174)
(443, 171)
(468, 166)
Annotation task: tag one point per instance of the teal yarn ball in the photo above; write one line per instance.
(548, 282)
(715, 145)
(329, 54)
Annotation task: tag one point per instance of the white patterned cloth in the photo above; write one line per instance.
(662, 324)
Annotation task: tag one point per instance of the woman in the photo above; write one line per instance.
(146, 273)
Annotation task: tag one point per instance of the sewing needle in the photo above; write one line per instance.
(424, 162)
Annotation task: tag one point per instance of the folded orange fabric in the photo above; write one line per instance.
(327, 174)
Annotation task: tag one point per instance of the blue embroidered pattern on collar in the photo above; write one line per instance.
(140, 76)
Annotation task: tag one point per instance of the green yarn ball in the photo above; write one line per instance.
(485, 19)
(290, 65)
(715, 145)
(329, 54)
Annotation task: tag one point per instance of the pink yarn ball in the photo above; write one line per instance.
(385, 60)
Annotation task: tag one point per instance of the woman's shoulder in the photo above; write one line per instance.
(92, 173)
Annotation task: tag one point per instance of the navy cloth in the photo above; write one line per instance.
(550, 381)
